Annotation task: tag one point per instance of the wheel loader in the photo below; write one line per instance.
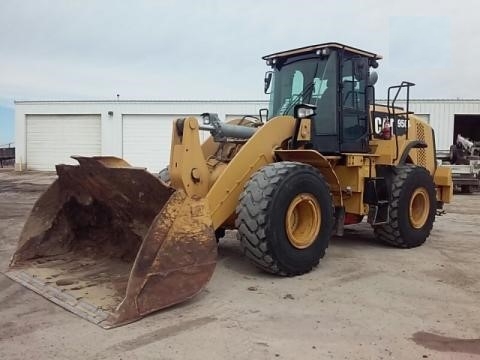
(113, 243)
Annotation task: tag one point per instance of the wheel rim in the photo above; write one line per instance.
(419, 208)
(303, 220)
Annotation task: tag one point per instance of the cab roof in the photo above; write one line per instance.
(313, 48)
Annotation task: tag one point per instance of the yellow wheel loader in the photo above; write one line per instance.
(112, 243)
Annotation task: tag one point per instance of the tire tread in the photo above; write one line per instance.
(390, 233)
(252, 215)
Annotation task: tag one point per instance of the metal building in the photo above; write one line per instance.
(449, 117)
(48, 132)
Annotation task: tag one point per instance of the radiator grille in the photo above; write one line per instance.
(421, 153)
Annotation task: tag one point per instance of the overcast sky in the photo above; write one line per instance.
(212, 49)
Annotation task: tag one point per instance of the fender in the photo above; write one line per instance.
(318, 161)
(414, 144)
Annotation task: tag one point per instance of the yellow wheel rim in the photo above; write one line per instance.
(303, 220)
(419, 208)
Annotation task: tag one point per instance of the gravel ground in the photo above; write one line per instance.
(364, 301)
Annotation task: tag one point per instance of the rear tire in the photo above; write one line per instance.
(412, 208)
(285, 218)
(466, 189)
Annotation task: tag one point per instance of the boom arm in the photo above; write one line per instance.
(189, 169)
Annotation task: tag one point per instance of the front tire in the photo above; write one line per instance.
(412, 208)
(285, 218)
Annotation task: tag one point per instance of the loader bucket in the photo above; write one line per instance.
(112, 243)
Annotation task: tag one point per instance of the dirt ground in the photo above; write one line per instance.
(364, 301)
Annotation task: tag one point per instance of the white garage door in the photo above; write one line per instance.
(147, 138)
(52, 139)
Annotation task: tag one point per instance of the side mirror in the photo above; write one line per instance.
(372, 78)
(267, 81)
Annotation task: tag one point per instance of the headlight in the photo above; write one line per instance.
(206, 118)
(304, 111)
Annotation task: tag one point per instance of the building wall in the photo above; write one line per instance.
(439, 112)
(112, 125)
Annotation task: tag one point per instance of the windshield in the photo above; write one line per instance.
(306, 81)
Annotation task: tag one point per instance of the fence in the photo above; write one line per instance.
(7, 154)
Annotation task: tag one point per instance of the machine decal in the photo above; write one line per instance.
(381, 120)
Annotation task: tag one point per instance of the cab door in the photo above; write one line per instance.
(353, 105)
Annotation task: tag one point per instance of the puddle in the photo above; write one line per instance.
(446, 344)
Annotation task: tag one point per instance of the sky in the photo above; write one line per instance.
(204, 50)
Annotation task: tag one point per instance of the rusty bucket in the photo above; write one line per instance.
(112, 243)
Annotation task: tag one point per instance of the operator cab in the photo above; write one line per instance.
(333, 79)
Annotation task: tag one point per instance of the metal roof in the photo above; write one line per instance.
(312, 48)
(148, 101)
(141, 101)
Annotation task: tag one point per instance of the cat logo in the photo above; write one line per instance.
(380, 120)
